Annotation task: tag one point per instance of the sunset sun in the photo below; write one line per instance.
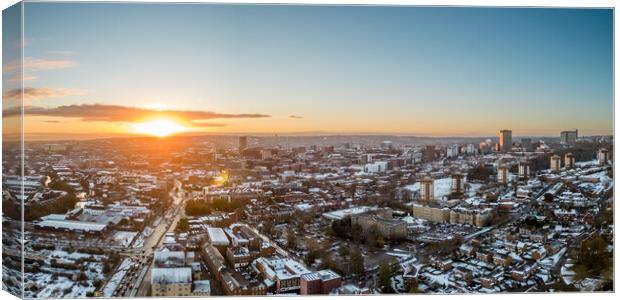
(158, 127)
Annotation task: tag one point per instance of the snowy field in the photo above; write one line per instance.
(441, 187)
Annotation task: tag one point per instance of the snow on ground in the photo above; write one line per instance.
(553, 259)
(442, 278)
(124, 238)
(398, 283)
(473, 188)
(582, 164)
(147, 231)
(567, 273)
(441, 187)
(589, 284)
(110, 287)
(139, 243)
(60, 254)
(400, 256)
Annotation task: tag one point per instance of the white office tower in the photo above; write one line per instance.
(502, 174)
(524, 170)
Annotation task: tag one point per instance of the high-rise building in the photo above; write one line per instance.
(524, 170)
(567, 137)
(458, 183)
(556, 163)
(569, 160)
(470, 149)
(603, 156)
(429, 153)
(243, 143)
(426, 190)
(505, 140)
(502, 174)
(452, 151)
(526, 144)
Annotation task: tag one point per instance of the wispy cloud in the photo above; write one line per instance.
(32, 93)
(295, 117)
(17, 78)
(36, 64)
(62, 52)
(126, 114)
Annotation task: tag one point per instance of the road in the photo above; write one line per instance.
(138, 282)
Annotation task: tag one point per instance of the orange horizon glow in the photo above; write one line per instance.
(159, 127)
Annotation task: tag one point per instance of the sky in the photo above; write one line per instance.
(101, 68)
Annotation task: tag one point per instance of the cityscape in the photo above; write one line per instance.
(250, 215)
(194, 150)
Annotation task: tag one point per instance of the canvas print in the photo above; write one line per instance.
(204, 149)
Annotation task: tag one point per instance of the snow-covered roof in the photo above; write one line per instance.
(217, 236)
(72, 225)
(171, 275)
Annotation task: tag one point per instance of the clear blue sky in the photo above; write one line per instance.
(414, 70)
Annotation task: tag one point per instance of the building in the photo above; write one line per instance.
(429, 153)
(383, 221)
(376, 167)
(452, 151)
(567, 137)
(556, 163)
(524, 170)
(434, 213)
(321, 282)
(243, 143)
(169, 259)
(526, 144)
(171, 282)
(472, 216)
(502, 174)
(470, 149)
(426, 190)
(201, 288)
(603, 156)
(458, 183)
(569, 160)
(505, 140)
(231, 282)
(284, 272)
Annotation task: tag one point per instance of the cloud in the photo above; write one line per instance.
(295, 117)
(62, 52)
(126, 114)
(51, 121)
(17, 78)
(31, 93)
(36, 64)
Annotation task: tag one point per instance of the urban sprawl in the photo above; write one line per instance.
(268, 215)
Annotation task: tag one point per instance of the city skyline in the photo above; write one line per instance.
(278, 69)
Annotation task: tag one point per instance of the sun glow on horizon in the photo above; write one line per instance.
(159, 127)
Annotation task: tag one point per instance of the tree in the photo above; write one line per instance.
(480, 172)
(592, 258)
(356, 261)
(183, 225)
(385, 278)
(291, 239)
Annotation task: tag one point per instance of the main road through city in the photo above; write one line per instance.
(140, 283)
